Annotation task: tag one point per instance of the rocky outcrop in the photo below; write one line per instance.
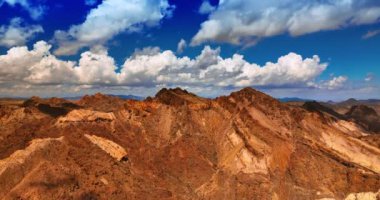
(364, 196)
(113, 149)
(83, 116)
(353, 150)
(179, 97)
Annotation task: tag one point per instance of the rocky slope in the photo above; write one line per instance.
(366, 116)
(177, 145)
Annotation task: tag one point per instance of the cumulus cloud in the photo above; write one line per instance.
(371, 34)
(209, 69)
(110, 18)
(96, 68)
(206, 7)
(151, 68)
(38, 66)
(17, 33)
(181, 46)
(35, 12)
(37, 71)
(334, 83)
(243, 22)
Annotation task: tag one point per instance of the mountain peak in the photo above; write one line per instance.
(352, 99)
(101, 101)
(177, 97)
(32, 101)
(248, 91)
(253, 95)
(350, 102)
(176, 90)
(96, 96)
(361, 110)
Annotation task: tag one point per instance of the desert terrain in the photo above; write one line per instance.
(177, 145)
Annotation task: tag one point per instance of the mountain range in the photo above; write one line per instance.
(177, 145)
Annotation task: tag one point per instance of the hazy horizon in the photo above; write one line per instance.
(204, 96)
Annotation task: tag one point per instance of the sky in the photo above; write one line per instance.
(322, 49)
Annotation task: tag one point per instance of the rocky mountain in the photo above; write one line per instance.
(345, 106)
(366, 116)
(176, 145)
(363, 115)
(323, 110)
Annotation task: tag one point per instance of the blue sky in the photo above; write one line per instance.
(316, 49)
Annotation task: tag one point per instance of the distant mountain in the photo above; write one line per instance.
(365, 116)
(352, 102)
(362, 112)
(132, 97)
(370, 101)
(349, 102)
(373, 100)
(314, 106)
(293, 99)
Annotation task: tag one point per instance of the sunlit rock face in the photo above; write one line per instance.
(177, 145)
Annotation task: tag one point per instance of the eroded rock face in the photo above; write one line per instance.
(180, 146)
(110, 147)
(82, 115)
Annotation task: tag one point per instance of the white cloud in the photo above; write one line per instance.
(16, 33)
(243, 22)
(334, 83)
(96, 68)
(39, 66)
(181, 46)
(206, 7)
(35, 12)
(110, 18)
(371, 34)
(210, 69)
(152, 68)
(36, 66)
